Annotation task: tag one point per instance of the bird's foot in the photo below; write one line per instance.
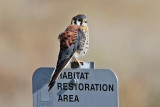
(79, 62)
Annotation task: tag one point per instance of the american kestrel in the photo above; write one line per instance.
(74, 43)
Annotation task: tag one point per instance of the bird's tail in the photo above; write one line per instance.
(54, 77)
(57, 72)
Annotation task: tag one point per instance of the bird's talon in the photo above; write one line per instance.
(82, 63)
(79, 62)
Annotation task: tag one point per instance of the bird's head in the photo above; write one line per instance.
(80, 20)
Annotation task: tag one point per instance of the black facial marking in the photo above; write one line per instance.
(75, 22)
(79, 20)
(81, 23)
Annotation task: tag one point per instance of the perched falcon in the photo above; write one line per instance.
(74, 43)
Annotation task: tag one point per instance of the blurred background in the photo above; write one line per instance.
(124, 37)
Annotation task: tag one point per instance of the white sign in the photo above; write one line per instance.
(93, 88)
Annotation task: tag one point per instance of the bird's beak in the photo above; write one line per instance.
(85, 21)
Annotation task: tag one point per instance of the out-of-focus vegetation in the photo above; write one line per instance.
(124, 37)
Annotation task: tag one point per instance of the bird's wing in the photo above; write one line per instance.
(69, 43)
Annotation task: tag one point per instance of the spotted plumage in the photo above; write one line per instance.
(74, 43)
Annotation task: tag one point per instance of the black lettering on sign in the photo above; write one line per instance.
(76, 87)
(104, 87)
(82, 76)
(111, 88)
(70, 86)
(60, 98)
(68, 98)
(92, 87)
(77, 74)
(100, 87)
(69, 75)
(81, 86)
(86, 74)
(65, 98)
(76, 98)
(59, 86)
(64, 75)
(96, 86)
(65, 86)
(87, 87)
(72, 75)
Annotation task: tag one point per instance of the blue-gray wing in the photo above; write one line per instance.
(69, 42)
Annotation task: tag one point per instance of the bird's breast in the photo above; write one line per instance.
(84, 46)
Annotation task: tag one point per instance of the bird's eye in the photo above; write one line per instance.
(79, 20)
(85, 21)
